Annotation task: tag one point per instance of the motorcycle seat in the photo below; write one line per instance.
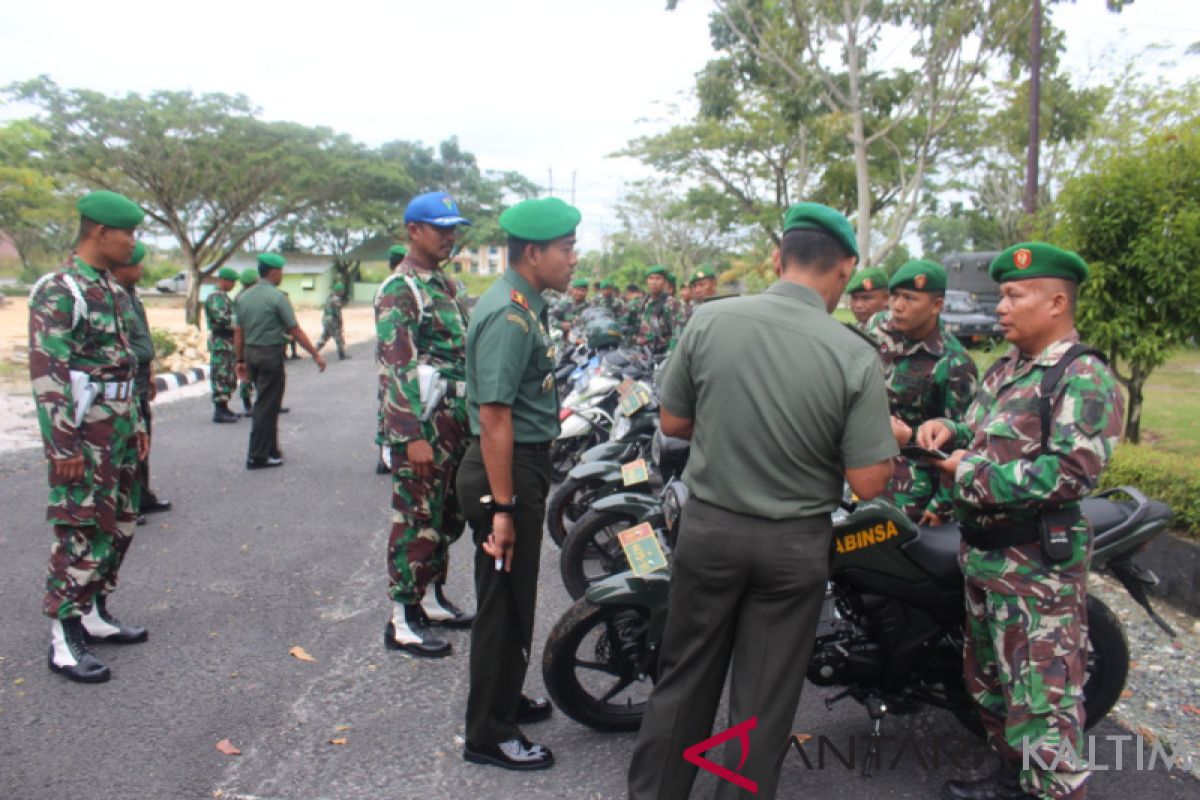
(1107, 517)
(936, 550)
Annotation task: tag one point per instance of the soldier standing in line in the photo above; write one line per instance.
(82, 370)
(421, 325)
(222, 375)
(631, 319)
(383, 464)
(608, 298)
(660, 314)
(929, 376)
(127, 276)
(567, 312)
(868, 291)
(504, 477)
(331, 321)
(1032, 446)
(248, 278)
(263, 321)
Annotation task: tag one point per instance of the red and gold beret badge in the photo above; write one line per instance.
(1023, 259)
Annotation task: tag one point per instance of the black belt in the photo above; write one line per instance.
(533, 447)
(997, 537)
(223, 334)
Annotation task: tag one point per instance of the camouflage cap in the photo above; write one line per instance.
(227, 274)
(817, 217)
(271, 260)
(868, 280)
(1037, 260)
(540, 220)
(249, 276)
(139, 253)
(920, 276)
(111, 209)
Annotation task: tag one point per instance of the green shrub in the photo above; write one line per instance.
(1172, 478)
(164, 342)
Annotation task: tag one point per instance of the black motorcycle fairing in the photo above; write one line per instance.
(935, 550)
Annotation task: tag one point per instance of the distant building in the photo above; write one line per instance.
(484, 259)
(307, 278)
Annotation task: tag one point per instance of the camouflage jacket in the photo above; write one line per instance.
(1005, 476)
(933, 378)
(613, 304)
(218, 308)
(65, 337)
(568, 311)
(631, 318)
(331, 316)
(661, 323)
(411, 330)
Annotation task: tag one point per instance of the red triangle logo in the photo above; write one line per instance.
(741, 732)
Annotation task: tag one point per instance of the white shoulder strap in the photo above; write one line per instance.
(79, 307)
(417, 293)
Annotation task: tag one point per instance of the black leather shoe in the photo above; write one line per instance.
(440, 611)
(100, 626)
(156, 506)
(69, 655)
(263, 463)
(284, 409)
(381, 468)
(1003, 784)
(343, 356)
(221, 413)
(517, 754)
(410, 632)
(533, 709)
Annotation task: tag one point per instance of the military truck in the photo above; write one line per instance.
(968, 272)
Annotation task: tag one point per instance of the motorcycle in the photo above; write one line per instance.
(890, 633)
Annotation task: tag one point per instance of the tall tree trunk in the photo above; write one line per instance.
(192, 303)
(1133, 414)
(1035, 116)
(862, 166)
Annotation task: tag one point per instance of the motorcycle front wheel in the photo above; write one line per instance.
(591, 552)
(569, 501)
(598, 666)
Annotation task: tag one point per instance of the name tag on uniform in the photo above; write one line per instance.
(635, 472)
(642, 549)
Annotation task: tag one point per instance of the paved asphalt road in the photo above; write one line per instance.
(251, 564)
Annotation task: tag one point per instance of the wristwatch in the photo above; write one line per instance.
(489, 504)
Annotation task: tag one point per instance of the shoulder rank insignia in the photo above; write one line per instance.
(519, 299)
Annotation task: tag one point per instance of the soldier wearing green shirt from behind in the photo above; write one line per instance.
(513, 407)
(248, 278)
(1030, 448)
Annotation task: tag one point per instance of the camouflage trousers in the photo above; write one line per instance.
(332, 330)
(426, 516)
(1025, 664)
(222, 376)
(93, 519)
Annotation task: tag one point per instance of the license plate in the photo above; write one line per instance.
(635, 472)
(642, 549)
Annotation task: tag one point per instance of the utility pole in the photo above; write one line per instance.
(1035, 113)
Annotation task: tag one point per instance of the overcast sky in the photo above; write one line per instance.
(529, 85)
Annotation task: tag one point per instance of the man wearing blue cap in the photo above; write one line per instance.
(421, 325)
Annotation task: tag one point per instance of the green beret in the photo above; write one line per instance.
(271, 260)
(227, 274)
(657, 270)
(339, 286)
(816, 217)
(397, 251)
(670, 276)
(701, 274)
(540, 220)
(580, 283)
(139, 252)
(607, 284)
(1037, 260)
(111, 209)
(921, 276)
(249, 276)
(868, 280)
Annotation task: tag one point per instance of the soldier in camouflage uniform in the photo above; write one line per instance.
(608, 298)
(568, 310)
(222, 375)
(331, 322)
(929, 376)
(1033, 444)
(631, 319)
(82, 369)
(868, 291)
(421, 325)
(383, 464)
(248, 278)
(660, 315)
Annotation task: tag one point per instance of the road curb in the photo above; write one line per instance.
(173, 380)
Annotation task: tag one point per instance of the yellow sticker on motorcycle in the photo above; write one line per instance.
(635, 472)
(867, 537)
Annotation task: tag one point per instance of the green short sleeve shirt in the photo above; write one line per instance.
(265, 315)
(784, 399)
(510, 359)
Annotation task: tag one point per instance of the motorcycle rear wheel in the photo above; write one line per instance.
(1107, 669)
(595, 655)
(567, 504)
(591, 551)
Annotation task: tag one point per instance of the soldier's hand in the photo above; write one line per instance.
(420, 458)
(243, 372)
(929, 519)
(932, 435)
(502, 541)
(901, 431)
(68, 470)
(950, 465)
(320, 361)
(143, 446)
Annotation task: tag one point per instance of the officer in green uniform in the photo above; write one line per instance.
(222, 375)
(127, 276)
(1031, 447)
(263, 321)
(502, 482)
(703, 284)
(868, 291)
(782, 403)
(82, 370)
(248, 278)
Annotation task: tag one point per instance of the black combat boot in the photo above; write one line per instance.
(221, 413)
(408, 630)
(100, 626)
(1003, 784)
(440, 611)
(69, 655)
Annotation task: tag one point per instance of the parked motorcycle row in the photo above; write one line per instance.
(890, 636)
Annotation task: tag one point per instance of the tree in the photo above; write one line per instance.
(204, 167)
(36, 214)
(1135, 218)
(673, 228)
